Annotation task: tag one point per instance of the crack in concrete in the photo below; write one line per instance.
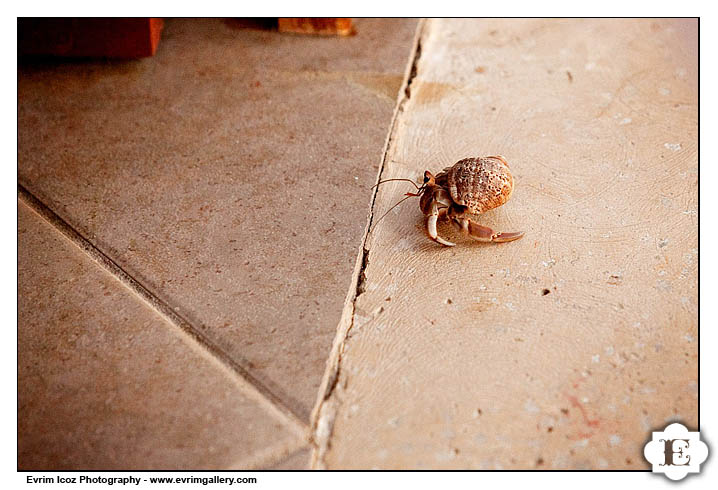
(251, 386)
(324, 413)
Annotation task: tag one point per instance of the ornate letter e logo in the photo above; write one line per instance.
(676, 452)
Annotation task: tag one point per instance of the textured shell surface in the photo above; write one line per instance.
(481, 183)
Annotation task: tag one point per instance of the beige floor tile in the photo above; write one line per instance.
(297, 461)
(563, 349)
(105, 383)
(229, 174)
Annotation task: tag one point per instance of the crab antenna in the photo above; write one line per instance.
(390, 180)
(408, 195)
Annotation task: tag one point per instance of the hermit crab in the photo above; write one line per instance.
(470, 187)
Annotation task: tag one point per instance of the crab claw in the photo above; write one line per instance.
(431, 230)
(486, 234)
(508, 236)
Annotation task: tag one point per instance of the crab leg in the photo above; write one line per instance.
(431, 226)
(484, 233)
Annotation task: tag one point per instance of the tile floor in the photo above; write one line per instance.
(229, 177)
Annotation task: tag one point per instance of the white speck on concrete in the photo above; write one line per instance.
(584, 399)
(662, 242)
(681, 72)
(614, 440)
(602, 463)
(393, 422)
(510, 306)
(624, 121)
(609, 350)
(688, 338)
(664, 91)
(403, 244)
(531, 407)
(549, 263)
(596, 358)
(590, 65)
(445, 455)
(560, 461)
(673, 146)
(360, 320)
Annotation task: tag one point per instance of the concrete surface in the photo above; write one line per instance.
(297, 461)
(230, 176)
(106, 383)
(562, 350)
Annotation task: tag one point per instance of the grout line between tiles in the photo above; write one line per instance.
(324, 412)
(244, 378)
(269, 457)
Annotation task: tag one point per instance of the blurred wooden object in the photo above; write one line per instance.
(89, 37)
(327, 26)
